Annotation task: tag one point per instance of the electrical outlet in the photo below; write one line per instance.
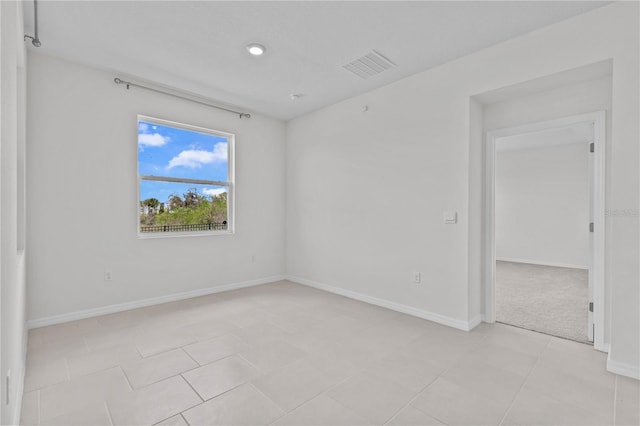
(107, 275)
(417, 277)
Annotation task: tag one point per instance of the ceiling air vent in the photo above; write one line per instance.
(369, 65)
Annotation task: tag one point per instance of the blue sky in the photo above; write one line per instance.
(170, 151)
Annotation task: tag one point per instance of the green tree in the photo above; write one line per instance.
(192, 199)
(175, 202)
(152, 204)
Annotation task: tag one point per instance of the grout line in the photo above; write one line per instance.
(66, 365)
(194, 389)
(446, 370)
(526, 379)
(324, 392)
(183, 418)
(106, 407)
(420, 393)
(126, 377)
(269, 398)
(190, 357)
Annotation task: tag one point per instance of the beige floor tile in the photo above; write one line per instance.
(534, 408)
(412, 373)
(62, 333)
(105, 338)
(410, 416)
(454, 405)
(370, 346)
(45, 373)
(517, 339)
(371, 313)
(323, 411)
(217, 348)
(372, 397)
(393, 332)
(343, 326)
(146, 371)
(260, 334)
(569, 388)
(627, 401)
(221, 376)
(484, 379)
(250, 318)
(153, 403)
(81, 392)
(294, 384)
(155, 343)
(508, 359)
(176, 420)
(94, 415)
(120, 320)
(572, 358)
(274, 355)
(91, 362)
(442, 353)
(309, 341)
(338, 362)
(56, 350)
(30, 409)
(243, 405)
(208, 329)
(295, 321)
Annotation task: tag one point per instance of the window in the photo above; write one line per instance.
(185, 179)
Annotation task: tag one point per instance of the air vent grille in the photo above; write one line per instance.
(373, 63)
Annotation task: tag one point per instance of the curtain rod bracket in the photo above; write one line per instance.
(35, 40)
(128, 84)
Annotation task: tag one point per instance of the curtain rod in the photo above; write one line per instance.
(35, 40)
(130, 84)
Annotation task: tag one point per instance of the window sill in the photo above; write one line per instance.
(160, 235)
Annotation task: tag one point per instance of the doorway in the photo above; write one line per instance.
(544, 234)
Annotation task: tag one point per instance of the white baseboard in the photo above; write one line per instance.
(475, 321)
(17, 410)
(627, 370)
(111, 309)
(602, 348)
(538, 262)
(398, 307)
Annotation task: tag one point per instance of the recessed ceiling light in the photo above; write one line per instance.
(256, 49)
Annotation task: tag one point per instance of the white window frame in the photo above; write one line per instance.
(229, 184)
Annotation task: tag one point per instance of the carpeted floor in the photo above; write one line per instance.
(547, 299)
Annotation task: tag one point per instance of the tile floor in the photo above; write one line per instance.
(285, 354)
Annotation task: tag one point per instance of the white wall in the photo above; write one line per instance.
(12, 250)
(82, 200)
(542, 205)
(366, 191)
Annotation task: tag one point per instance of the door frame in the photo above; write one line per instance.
(596, 267)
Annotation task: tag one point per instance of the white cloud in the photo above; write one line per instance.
(213, 191)
(152, 139)
(143, 127)
(196, 158)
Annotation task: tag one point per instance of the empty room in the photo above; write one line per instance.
(319, 212)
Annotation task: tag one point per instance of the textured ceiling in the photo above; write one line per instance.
(200, 46)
